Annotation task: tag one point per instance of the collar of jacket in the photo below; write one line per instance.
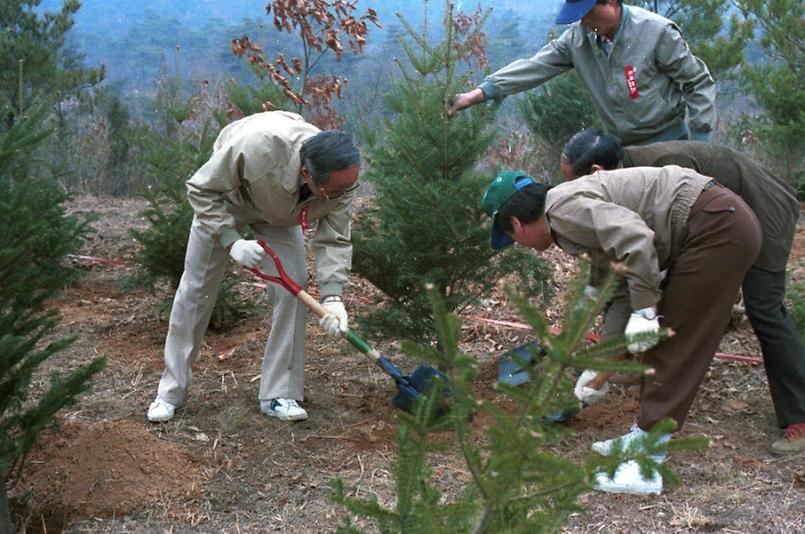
(292, 178)
(625, 15)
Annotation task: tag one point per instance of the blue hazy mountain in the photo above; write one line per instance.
(136, 40)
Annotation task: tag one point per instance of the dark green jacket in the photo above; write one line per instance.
(773, 201)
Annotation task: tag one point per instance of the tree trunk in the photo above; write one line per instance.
(5, 515)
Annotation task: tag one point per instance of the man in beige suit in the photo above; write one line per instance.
(276, 174)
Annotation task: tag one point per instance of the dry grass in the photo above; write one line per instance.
(263, 475)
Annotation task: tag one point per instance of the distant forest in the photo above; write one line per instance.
(137, 41)
(127, 76)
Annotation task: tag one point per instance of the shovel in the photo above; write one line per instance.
(409, 388)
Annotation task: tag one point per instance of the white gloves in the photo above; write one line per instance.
(590, 292)
(247, 253)
(642, 321)
(589, 295)
(335, 322)
(586, 394)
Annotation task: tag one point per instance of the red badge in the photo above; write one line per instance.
(303, 219)
(631, 82)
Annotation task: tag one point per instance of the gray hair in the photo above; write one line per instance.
(327, 151)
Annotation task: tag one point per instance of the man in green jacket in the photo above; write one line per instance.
(776, 206)
(645, 219)
(639, 72)
(276, 174)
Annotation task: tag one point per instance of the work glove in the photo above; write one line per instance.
(247, 253)
(586, 394)
(589, 295)
(335, 322)
(590, 292)
(642, 321)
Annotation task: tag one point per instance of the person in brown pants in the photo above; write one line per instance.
(776, 206)
(718, 245)
(650, 220)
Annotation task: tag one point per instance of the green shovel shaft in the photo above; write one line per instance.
(354, 339)
(360, 344)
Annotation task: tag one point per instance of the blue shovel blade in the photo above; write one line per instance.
(514, 364)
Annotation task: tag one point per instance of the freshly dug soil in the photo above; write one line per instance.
(109, 468)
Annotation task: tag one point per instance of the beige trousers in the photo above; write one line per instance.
(282, 373)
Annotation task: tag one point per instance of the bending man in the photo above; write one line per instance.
(637, 68)
(776, 206)
(646, 219)
(274, 173)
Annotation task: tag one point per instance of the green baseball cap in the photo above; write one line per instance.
(503, 187)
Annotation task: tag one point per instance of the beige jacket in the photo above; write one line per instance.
(255, 166)
(634, 216)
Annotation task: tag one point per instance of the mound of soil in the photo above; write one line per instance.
(109, 468)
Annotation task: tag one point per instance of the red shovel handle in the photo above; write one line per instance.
(287, 282)
(283, 279)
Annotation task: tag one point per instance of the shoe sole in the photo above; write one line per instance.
(286, 417)
(609, 486)
(629, 489)
(777, 452)
(162, 419)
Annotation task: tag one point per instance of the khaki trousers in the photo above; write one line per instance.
(720, 242)
(282, 373)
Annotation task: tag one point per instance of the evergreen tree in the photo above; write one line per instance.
(702, 25)
(35, 42)
(556, 111)
(171, 156)
(777, 86)
(426, 224)
(254, 98)
(120, 132)
(517, 481)
(37, 233)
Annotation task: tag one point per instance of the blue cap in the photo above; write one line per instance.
(574, 10)
(503, 187)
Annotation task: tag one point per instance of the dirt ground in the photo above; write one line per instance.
(222, 466)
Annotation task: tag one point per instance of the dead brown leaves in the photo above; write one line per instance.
(324, 26)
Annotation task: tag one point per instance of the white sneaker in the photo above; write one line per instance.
(605, 448)
(629, 479)
(286, 409)
(160, 411)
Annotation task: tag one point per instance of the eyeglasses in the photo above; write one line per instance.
(332, 195)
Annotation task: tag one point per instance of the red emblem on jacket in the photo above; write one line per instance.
(631, 82)
(303, 222)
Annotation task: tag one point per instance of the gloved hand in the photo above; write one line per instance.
(589, 295)
(335, 322)
(590, 292)
(586, 394)
(247, 253)
(642, 321)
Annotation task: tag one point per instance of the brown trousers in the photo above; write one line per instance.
(719, 243)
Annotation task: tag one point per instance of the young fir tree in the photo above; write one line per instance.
(171, 157)
(519, 480)
(37, 234)
(777, 86)
(702, 25)
(426, 223)
(34, 39)
(554, 113)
